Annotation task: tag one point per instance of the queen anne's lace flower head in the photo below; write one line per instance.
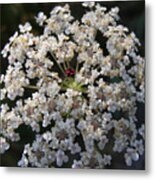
(84, 98)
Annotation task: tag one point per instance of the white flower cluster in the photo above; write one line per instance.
(84, 101)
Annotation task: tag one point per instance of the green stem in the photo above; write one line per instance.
(65, 66)
(77, 67)
(60, 67)
(68, 64)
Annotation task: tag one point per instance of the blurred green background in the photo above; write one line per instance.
(132, 15)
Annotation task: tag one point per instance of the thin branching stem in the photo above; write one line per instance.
(77, 67)
(59, 65)
(68, 64)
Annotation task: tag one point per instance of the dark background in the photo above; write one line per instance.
(132, 15)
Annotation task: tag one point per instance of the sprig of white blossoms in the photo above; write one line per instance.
(78, 103)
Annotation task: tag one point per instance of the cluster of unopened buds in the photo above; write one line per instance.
(83, 100)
